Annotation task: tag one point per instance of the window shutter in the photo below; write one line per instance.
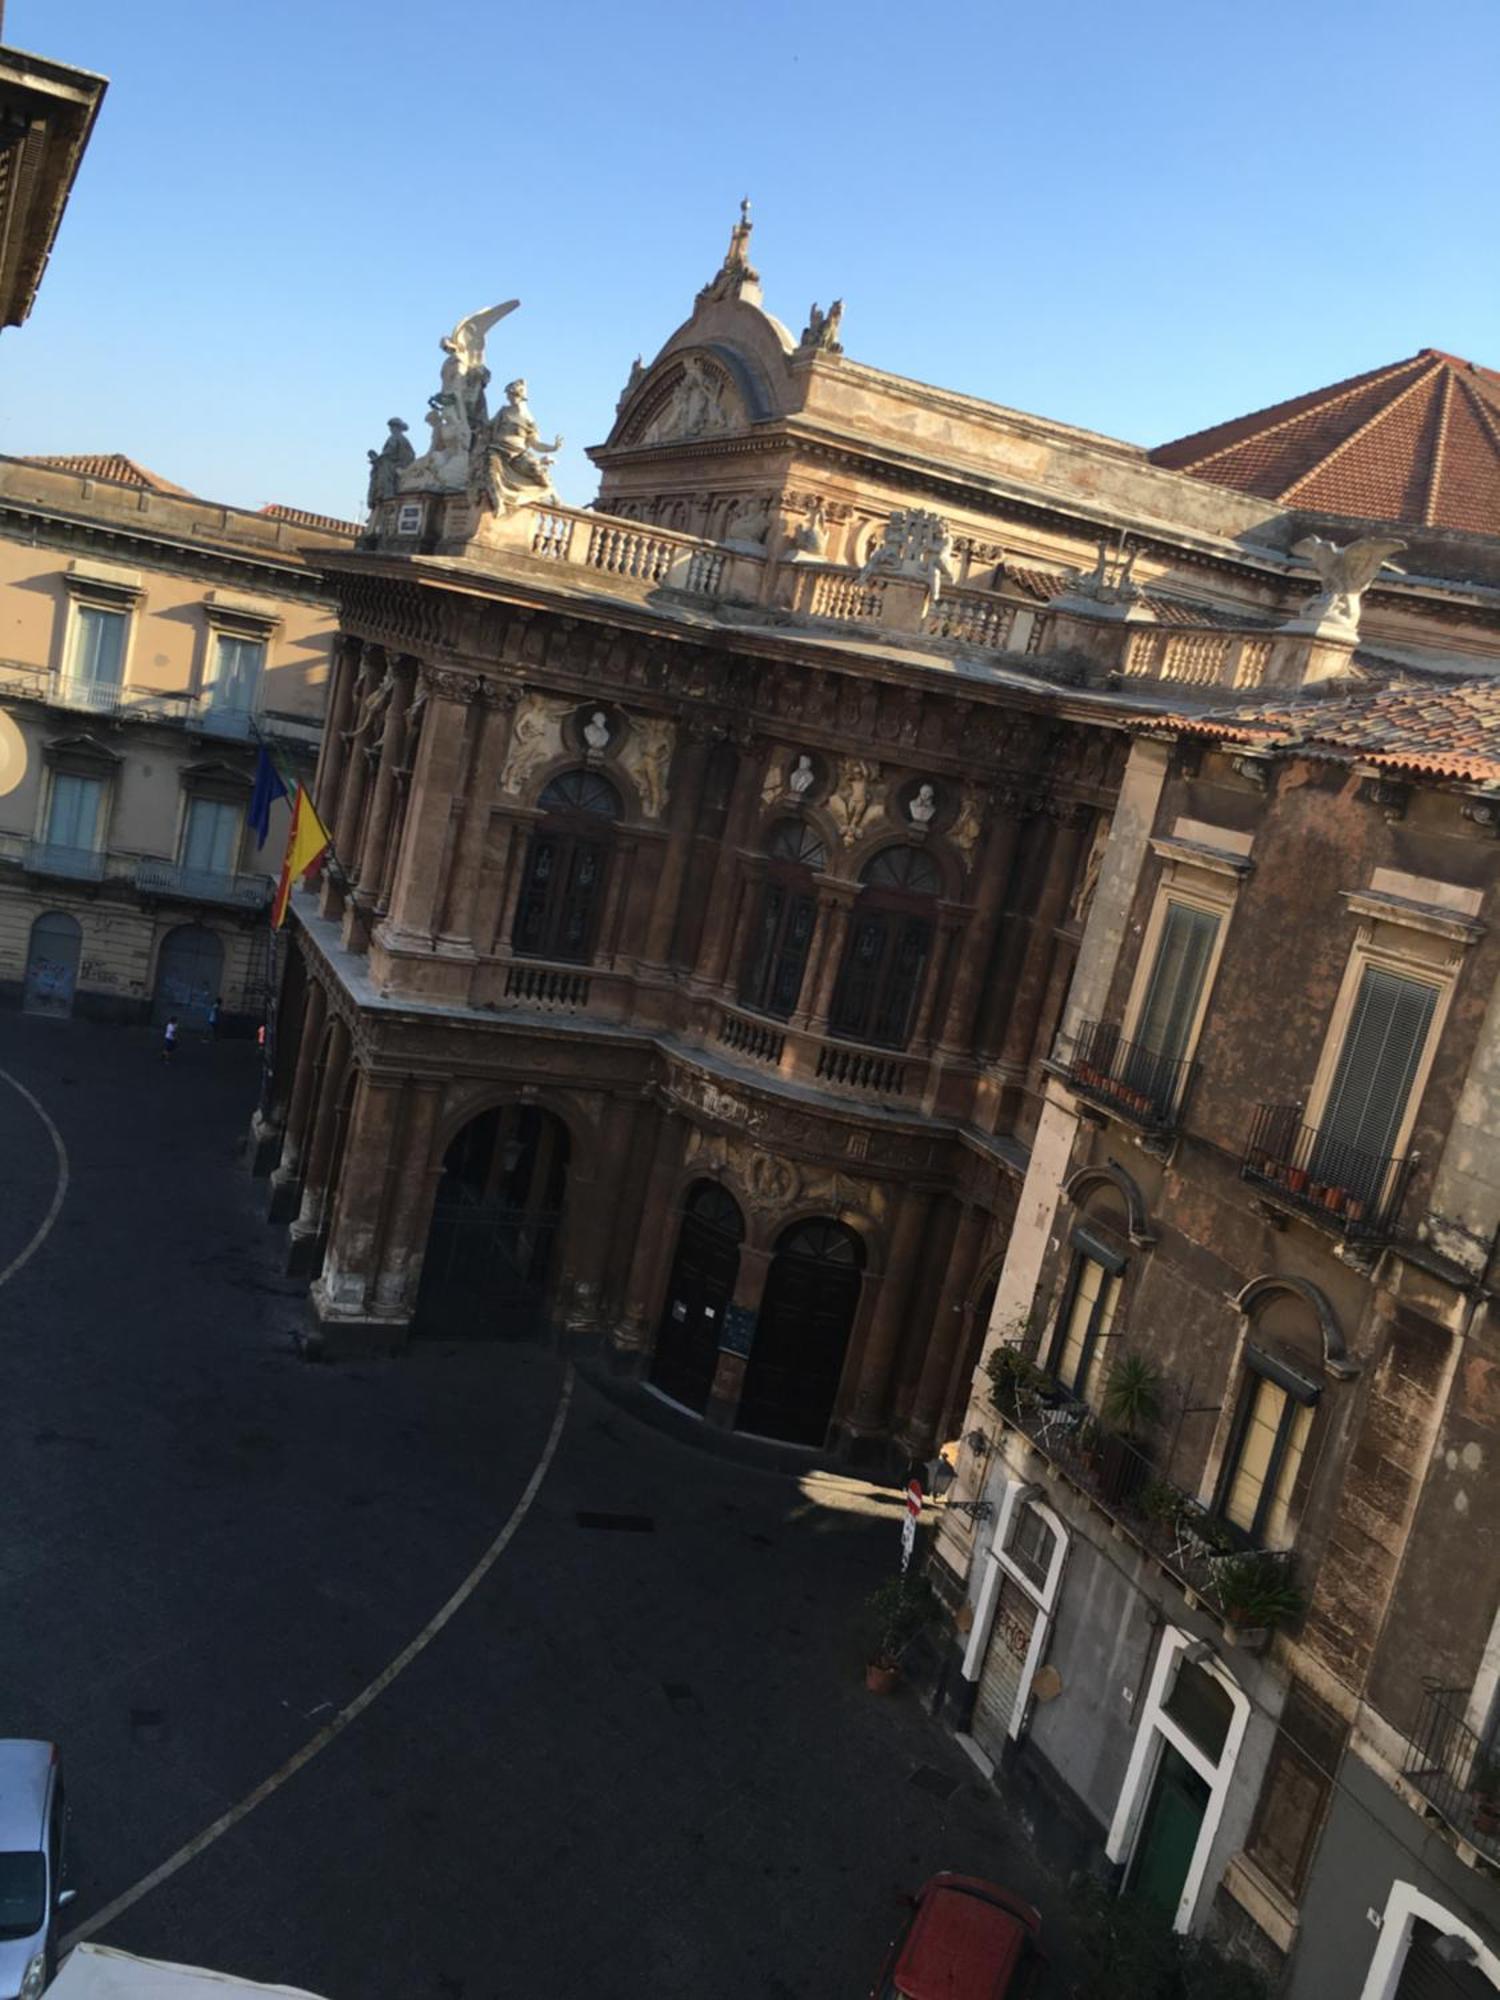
(1182, 955)
(1378, 1061)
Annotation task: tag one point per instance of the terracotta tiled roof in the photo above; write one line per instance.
(1416, 442)
(1441, 732)
(1042, 584)
(115, 467)
(299, 517)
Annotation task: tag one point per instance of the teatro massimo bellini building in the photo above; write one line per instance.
(711, 864)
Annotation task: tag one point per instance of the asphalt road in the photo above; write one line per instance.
(639, 1759)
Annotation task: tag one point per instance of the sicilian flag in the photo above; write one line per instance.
(306, 845)
(269, 787)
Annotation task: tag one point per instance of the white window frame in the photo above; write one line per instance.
(1155, 1727)
(999, 1564)
(227, 619)
(1203, 879)
(118, 605)
(1410, 946)
(43, 835)
(190, 799)
(1403, 1907)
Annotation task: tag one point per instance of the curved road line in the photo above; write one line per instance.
(355, 1709)
(61, 1190)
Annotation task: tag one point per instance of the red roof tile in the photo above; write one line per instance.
(113, 466)
(299, 517)
(1417, 442)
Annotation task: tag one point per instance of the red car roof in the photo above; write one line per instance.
(965, 1943)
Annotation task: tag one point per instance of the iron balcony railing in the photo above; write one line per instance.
(202, 885)
(1357, 1193)
(1142, 1085)
(112, 699)
(75, 864)
(1455, 1770)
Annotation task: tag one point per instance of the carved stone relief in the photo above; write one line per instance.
(858, 797)
(646, 754)
(536, 735)
(969, 821)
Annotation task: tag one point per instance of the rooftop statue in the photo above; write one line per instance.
(914, 543)
(695, 407)
(509, 464)
(822, 330)
(388, 464)
(458, 409)
(1347, 574)
(734, 278)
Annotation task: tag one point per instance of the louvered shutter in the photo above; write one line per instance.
(1426, 1976)
(1166, 1021)
(1382, 1048)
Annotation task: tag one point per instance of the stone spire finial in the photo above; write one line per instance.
(734, 278)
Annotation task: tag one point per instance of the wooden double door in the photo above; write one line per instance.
(699, 1293)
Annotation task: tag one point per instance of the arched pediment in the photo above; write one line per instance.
(1078, 1186)
(1259, 1291)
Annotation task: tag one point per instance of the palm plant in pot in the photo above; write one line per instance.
(901, 1606)
(1255, 1595)
(1132, 1402)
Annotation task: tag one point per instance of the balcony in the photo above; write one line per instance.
(1455, 1771)
(202, 885)
(1250, 1590)
(117, 702)
(1132, 1081)
(1356, 1194)
(71, 864)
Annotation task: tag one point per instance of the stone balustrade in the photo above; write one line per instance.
(1194, 656)
(639, 553)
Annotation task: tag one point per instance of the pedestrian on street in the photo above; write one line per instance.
(169, 1038)
(213, 1016)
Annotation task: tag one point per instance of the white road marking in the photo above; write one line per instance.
(59, 1193)
(355, 1709)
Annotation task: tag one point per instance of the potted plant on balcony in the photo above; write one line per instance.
(1484, 1792)
(1017, 1385)
(902, 1606)
(1255, 1596)
(1132, 1401)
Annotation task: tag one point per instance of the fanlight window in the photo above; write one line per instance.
(890, 941)
(795, 840)
(567, 866)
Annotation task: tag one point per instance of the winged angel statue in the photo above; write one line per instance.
(1346, 575)
(458, 411)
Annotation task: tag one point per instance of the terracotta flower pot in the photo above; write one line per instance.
(1296, 1179)
(880, 1678)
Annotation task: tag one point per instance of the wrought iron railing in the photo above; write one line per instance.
(1357, 1193)
(202, 885)
(1142, 1085)
(1455, 1770)
(76, 864)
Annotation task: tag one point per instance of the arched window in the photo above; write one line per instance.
(890, 941)
(567, 864)
(779, 944)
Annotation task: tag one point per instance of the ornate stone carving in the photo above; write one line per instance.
(821, 334)
(810, 540)
(748, 522)
(596, 732)
(968, 824)
(914, 543)
(734, 277)
(770, 1181)
(695, 408)
(388, 464)
(508, 463)
(921, 808)
(1346, 574)
(448, 684)
(1088, 881)
(458, 408)
(646, 754)
(798, 778)
(857, 797)
(536, 735)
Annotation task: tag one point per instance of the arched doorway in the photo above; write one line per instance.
(698, 1295)
(189, 976)
(495, 1222)
(792, 1375)
(52, 965)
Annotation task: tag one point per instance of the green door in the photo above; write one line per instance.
(1169, 1832)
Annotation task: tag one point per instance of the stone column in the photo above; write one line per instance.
(422, 871)
(685, 802)
(269, 1119)
(372, 853)
(836, 909)
(945, 945)
(287, 1179)
(917, 1432)
(729, 1376)
(1031, 984)
(494, 724)
(714, 964)
(331, 755)
(884, 1339)
(346, 825)
(308, 1227)
(632, 1336)
(992, 877)
(367, 1180)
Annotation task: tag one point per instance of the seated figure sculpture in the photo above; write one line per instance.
(509, 464)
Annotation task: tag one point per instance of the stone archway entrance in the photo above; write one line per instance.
(52, 964)
(495, 1222)
(698, 1295)
(189, 976)
(802, 1333)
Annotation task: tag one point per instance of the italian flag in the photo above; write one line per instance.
(306, 845)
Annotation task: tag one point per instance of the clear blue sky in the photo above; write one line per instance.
(1139, 217)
